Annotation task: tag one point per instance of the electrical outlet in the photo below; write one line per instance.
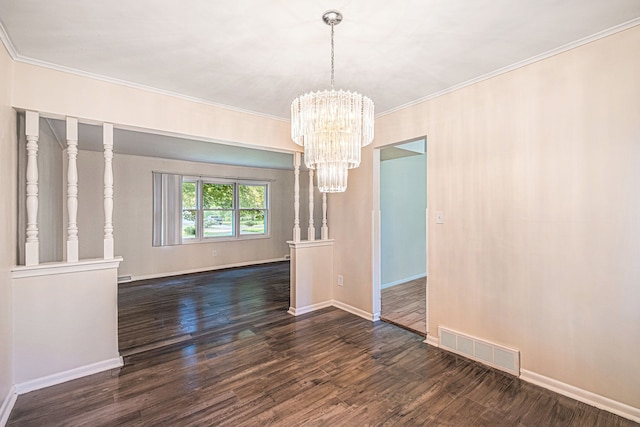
(214, 252)
(340, 280)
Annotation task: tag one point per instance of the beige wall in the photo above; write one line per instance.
(66, 322)
(62, 94)
(537, 174)
(8, 148)
(133, 215)
(350, 226)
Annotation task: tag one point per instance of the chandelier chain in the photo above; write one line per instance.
(332, 58)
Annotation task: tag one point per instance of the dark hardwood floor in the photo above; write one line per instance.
(219, 349)
(405, 305)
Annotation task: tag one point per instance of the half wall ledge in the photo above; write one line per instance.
(47, 269)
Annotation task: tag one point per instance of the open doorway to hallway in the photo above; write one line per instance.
(403, 243)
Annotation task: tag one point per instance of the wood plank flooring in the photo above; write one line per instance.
(405, 305)
(219, 349)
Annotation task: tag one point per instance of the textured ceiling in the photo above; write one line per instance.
(258, 56)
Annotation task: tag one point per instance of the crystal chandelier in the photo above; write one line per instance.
(332, 125)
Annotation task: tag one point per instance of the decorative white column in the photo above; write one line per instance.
(325, 228)
(107, 135)
(296, 197)
(32, 245)
(311, 231)
(72, 189)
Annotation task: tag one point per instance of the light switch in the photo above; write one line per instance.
(439, 217)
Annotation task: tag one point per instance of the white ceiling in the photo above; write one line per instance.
(259, 55)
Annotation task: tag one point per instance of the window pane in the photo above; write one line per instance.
(252, 196)
(189, 195)
(252, 221)
(217, 196)
(188, 224)
(218, 223)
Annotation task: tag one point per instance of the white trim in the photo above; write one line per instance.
(431, 340)
(337, 304)
(22, 271)
(581, 395)
(426, 264)
(309, 308)
(353, 310)
(7, 405)
(69, 375)
(200, 270)
(8, 44)
(404, 280)
(309, 243)
(520, 64)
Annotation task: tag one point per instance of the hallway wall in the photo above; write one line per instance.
(403, 204)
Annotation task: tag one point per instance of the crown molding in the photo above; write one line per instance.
(6, 41)
(69, 70)
(520, 64)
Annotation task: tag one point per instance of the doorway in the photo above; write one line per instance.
(402, 201)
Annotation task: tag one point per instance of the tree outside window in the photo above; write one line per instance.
(223, 209)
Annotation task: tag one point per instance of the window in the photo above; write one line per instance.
(253, 208)
(217, 210)
(189, 209)
(223, 209)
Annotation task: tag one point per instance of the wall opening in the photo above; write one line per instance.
(401, 203)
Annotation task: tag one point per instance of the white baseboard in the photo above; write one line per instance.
(431, 340)
(7, 406)
(69, 375)
(581, 395)
(353, 310)
(404, 280)
(133, 278)
(309, 308)
(337, 304)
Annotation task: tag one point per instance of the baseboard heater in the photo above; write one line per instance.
(497, 356)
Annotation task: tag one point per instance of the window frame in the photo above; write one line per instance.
(239, 208)
(200, 211)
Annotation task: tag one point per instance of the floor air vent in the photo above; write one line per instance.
(503, 358)
(124, 279)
